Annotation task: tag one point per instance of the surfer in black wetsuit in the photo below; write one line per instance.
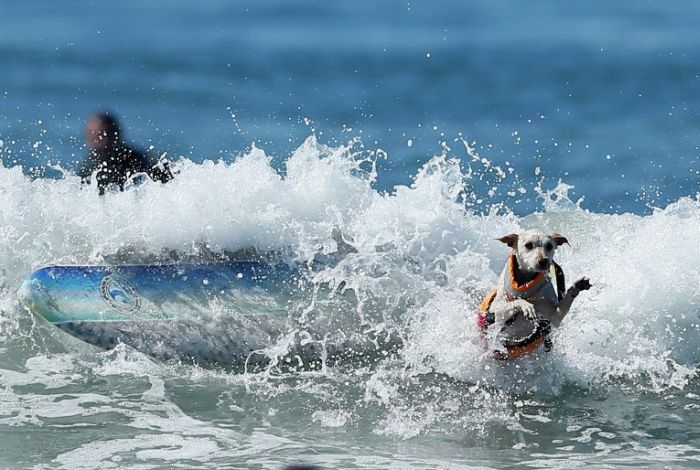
(111, 160)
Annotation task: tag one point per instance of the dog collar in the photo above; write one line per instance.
(521, 291)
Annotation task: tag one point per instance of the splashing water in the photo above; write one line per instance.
(623, 370)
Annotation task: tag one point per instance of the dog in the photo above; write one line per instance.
(526, 286)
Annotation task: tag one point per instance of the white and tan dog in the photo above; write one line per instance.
(526, 286)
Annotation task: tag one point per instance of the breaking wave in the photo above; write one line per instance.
(422, 259)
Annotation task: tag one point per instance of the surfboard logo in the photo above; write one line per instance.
(119, 294)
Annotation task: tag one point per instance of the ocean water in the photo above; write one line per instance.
(421, 132)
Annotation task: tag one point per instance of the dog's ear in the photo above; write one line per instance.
(510, 240)
(559, 239)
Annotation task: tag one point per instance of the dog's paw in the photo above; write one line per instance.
(505, 315)
(527, 308)
(530, 313)
(582, 284)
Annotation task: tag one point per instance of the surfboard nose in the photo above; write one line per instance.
(31, 296)
(24, 293)
(35, 298)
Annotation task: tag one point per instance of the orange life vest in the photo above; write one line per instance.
(518, 348)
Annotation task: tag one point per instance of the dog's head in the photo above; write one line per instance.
(534, 249)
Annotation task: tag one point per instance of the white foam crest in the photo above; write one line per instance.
(422, 264)
(639, 323)
(643, 314)
(222, 205)
(558, 199)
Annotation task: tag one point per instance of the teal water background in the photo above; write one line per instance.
(420, 131)
(600, 94)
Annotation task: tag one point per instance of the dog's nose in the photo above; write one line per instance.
(543, 263)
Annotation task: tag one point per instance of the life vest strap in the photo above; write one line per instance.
(558, 275)
(515, 350)
(514, 290)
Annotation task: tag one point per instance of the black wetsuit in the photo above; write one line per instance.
(116, 165)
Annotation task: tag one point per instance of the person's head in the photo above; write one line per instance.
(102, 131)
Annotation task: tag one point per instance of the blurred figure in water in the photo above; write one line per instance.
(113, 161)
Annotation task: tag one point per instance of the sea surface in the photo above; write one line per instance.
(421, 132)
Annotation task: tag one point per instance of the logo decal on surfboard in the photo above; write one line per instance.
(119, 294)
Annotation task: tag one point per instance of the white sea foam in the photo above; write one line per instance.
(423, 260)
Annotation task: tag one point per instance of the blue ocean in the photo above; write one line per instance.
(419, 131)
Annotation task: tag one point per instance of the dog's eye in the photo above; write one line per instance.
(548, 247)
(528, 246)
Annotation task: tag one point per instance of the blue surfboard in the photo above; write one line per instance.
(208, 312)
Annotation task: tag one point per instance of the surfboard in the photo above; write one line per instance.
(207, 312)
